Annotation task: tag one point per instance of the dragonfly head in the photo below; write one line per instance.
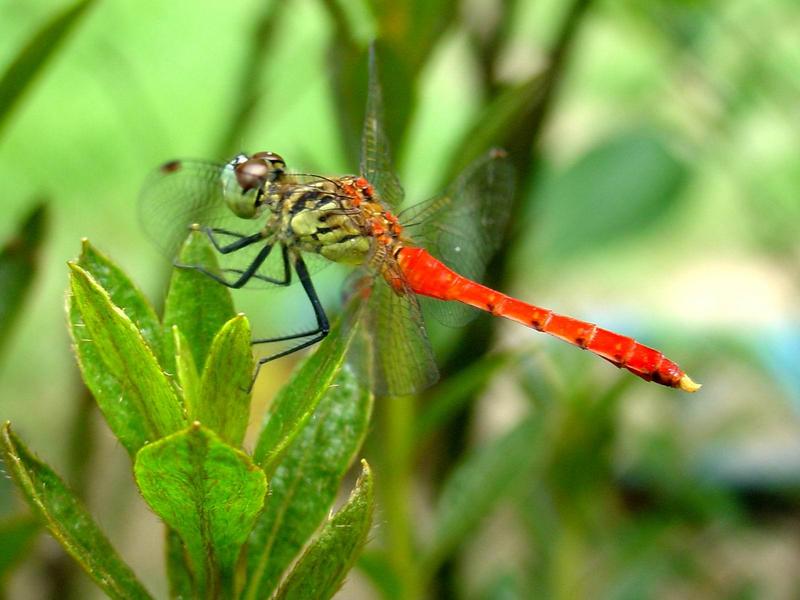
(245, 179)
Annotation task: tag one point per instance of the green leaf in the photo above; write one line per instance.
(306, 481)
(478, 484)
(197, 304)
(120, 409)
(186, 371)
(323, 566)
(68, 521)
(224, 401)
(34, 56)
(297, 400)
(210, 494)
(124, 294)
(619, 188)
(116, 405)
(16, 537)
(179, 574)
(18, 267)
(146, 407)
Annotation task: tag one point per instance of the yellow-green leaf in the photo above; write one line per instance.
(297, 400)
(68, 520)
(197, 304)
(224, 400)
(321, 570)
(147, 407)
(306, 482)
(210, 494)
(124, 294)
(186, 372)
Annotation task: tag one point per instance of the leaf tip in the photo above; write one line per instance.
(7, 436)
(86, 248)
(242, 321)
(78, 275)
(365, 478)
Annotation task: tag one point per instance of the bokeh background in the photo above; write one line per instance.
(658, 150)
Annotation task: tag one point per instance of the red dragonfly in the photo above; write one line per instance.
(252, 205)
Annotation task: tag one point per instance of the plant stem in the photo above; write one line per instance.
(398, 419)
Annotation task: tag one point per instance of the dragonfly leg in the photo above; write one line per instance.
(242, 242)
(316, 335)
(220, 231)
(285, 281)
(245, 275)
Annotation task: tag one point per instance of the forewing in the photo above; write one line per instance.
(187, 192)
(464, 226)
(376, 155)
(181, 193)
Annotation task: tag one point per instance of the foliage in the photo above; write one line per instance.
(184, 436)
(656, 144)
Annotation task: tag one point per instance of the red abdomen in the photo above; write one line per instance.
(429, 277)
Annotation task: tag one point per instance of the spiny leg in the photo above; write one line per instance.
(264, 278)
(285, 281)
(317, 334)
(242, 241)
(245, 275)
(323, 326)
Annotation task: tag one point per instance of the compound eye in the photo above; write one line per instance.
(276, 159)
(251, 173)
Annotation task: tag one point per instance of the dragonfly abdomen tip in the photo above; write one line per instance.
(687, 385)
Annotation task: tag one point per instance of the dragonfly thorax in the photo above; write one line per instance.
(341, 220)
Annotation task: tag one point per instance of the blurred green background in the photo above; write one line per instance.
(658, 148)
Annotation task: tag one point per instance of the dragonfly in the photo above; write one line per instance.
(268, 223)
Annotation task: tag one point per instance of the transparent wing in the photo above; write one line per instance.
(463, 226)
(186, 192)
(376, 155)
(181, 193)
(392, 350)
